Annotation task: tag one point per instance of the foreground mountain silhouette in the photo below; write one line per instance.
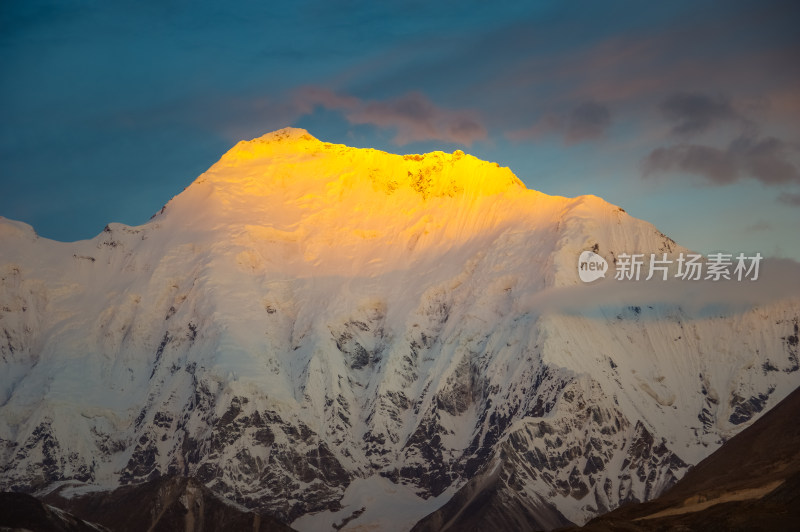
(341, 337)
(751, 483)
(167, 504)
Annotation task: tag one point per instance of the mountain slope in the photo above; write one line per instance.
(752, 482)
(167, 503)
(19, 511)
(321, 333)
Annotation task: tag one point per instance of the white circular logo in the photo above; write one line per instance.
(591, 266)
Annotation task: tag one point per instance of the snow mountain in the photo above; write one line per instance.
(752, 482)
(343, 337)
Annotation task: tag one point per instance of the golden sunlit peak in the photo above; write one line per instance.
(296, 202)
(291, 157)
(287, 134)
(284, 139)
(291, 201)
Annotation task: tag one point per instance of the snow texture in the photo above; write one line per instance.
(312, 329)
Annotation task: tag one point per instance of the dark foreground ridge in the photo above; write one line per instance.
(19, 511)
(164, 504)
(760, 467)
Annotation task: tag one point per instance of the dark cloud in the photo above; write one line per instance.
(760, 225)
(765, 160)
(466, 128)
(534, 64)
(413, 116)
(306, 98)
(588, 121)
(694, 113)
(790, 198)
(549, 124)
(711, 163)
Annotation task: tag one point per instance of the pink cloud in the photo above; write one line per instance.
(547, 125)
(413, 116)
(586, 122)
(765, 159)
(306, 98)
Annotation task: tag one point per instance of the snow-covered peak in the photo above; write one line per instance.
(254, 168)
(318, 330)
(311, 202)
(15, 230)
(288, 202)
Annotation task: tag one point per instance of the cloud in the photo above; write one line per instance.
(586, 122)
(776, 282)
(417, 118)
(694, 113)
(547, 125)
(711, 163)
(413, 116)
(760, 225)
(306, 98)
(766, 159)
(790, 198)
(763, 159)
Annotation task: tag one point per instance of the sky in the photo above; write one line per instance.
(684, 113)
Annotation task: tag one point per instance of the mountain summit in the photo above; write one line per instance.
(288, 201)
(308, 164)
(342, 337)
(334, 206)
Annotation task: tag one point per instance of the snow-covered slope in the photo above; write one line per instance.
(312, 329)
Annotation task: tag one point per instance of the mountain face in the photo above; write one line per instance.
(341, 337)
(752, 482)
(164, 504)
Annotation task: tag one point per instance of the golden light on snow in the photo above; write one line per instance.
(297, 204)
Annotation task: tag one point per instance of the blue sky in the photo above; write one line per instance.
(686, 114)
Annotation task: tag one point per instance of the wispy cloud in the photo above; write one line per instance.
(587, 121)
(750, 155)
(412, 116)
(759, 226)
(416, 118)
(713, 164)
(790, 198)
(776, 282)
(549, 124)
(765, 159)
(694, 113)
(307, 98)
